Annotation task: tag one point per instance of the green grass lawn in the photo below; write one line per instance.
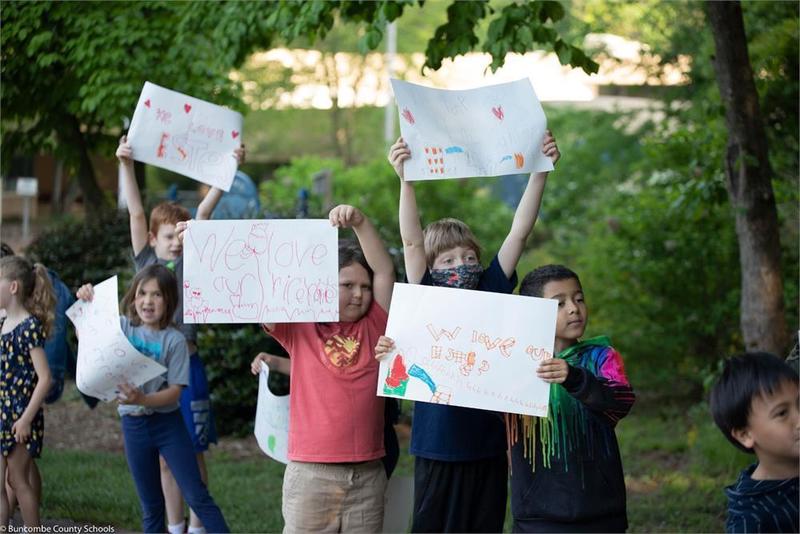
(96, 487)
(676, 464)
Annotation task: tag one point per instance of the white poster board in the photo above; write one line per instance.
(106, 358)
(272, 420)
(260, 271)
(489, 131)
(469, 348)
(185, 135)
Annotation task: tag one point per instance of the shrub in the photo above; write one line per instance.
(227, 351)
(87, 250)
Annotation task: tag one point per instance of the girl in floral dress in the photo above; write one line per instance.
(27, 297)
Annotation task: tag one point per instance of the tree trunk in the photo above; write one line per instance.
(332, 79)
(749, 183)
(93, 198)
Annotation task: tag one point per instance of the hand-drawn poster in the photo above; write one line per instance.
(105, 356)
(489, 131)
(468, 348)
(260, 271)
(272, 420)
(185, 135)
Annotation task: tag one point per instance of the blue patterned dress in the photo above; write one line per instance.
(17, 381)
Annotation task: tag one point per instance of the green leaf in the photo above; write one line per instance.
(563, 51)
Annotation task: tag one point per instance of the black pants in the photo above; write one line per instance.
(460, 496)
(601, 524)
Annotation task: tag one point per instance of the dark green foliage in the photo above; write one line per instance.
(227, 351)
(88, 250)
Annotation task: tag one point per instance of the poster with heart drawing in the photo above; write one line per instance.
(488, 131)
(186, 135)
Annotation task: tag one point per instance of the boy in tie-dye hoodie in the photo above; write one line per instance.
(566, 472)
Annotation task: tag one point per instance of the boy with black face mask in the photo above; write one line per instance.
(460, 473)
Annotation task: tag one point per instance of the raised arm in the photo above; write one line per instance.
(527, 212)
(410, 226)
(133, 198)
(210, 201)
(344, 216)
(207, 205)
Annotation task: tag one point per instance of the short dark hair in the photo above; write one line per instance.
(743, 377)
(167, 284)
(5, 250)
(533, 283)
(349, 253)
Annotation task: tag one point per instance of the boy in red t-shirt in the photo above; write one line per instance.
(335, 480)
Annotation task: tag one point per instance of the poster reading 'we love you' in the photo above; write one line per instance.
(186, 135)
(260, 271)
(446, 353)
(489, 131)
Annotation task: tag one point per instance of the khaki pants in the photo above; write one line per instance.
(333, 497)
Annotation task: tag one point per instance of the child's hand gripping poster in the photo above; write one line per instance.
(260, 271)
(272, 420)
(489, 131)
(469, 348)
(106, 358)
(186, 135)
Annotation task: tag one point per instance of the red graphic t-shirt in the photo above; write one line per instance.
(335, 414)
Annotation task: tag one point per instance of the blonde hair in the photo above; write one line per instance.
(35, 290)
(445, 234)
(167, 213)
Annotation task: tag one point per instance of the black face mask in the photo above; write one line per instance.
(462, 277)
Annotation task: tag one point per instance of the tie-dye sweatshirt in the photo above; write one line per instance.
(566, 468)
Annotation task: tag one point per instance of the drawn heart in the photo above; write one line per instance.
(408, 116)
(498, 112)
(147, 102)
(271, 443)
(187, 108)
(234, 134)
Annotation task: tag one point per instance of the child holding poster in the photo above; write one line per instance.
(335, 480)
(566, 471)
(152, 426)
(391, 414)
(460, 472)
(27, 297)
(160, 245)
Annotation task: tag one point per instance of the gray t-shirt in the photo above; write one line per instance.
(147, 256)
(167, 347)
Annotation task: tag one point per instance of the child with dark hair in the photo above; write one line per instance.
(152, 426)
(566, 471)
(755, 405)
(335, 480)
(160, 245)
